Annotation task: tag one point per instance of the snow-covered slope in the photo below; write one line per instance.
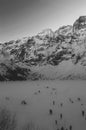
(47, 55)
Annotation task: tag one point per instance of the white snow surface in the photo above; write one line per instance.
(39, 96)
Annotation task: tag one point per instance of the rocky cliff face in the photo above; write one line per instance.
(61, 53)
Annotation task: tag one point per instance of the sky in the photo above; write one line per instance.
(20, 18)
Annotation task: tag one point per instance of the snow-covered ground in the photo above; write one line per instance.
(49, 104)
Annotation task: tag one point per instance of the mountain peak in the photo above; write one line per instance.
(64, 30)
(79, 24)
(46, 32)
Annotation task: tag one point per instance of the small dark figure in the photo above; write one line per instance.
(51, 111)
(61, 116)
(23, 102)
(62, 128)
(70, 127)
(56, 122)
(81, 104)
(39, 91)
(71, 100)
(61, 104)
(83, 113)
(53, 102)
(78, 99)
(47, 86)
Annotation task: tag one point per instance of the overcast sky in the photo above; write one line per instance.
(20, 18)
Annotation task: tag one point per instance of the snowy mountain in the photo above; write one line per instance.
(47, 55)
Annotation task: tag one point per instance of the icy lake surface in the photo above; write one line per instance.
(66, 99)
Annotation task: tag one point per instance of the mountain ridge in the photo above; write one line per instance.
(48, 50)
